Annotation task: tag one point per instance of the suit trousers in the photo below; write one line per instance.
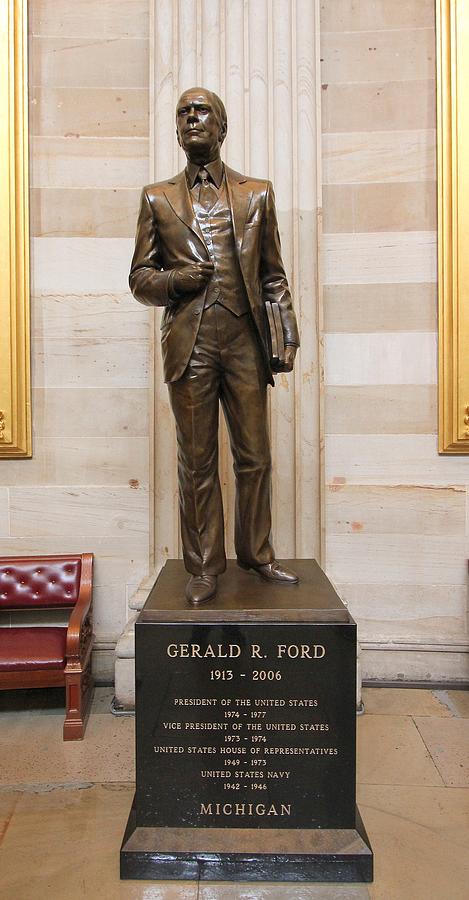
(226, 365)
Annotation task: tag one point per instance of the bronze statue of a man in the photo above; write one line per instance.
(208, 250)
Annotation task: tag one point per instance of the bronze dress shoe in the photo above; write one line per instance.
(201, 588)
(274, 572)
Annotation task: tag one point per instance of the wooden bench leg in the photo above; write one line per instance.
(78, 692)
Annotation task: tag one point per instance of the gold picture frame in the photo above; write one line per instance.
(453, 223)
(15, 379)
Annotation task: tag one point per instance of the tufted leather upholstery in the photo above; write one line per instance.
(24, 649)
(46, 581)
(34, 656)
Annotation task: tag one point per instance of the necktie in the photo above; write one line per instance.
(207, 194)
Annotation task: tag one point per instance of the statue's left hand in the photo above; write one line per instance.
(290, 353)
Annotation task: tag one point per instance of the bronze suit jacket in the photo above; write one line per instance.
(169, 236)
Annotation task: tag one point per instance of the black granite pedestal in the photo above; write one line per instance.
(245, 732)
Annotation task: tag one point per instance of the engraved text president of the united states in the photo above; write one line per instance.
(208, 250)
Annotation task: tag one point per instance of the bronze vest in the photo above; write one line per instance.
(226, 285)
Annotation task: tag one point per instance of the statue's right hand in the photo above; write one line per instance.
(193, 278)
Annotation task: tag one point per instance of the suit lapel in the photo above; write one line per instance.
(240, 198)
(178, 197)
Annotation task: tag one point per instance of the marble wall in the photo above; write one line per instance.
(396, 512)
(86, 487)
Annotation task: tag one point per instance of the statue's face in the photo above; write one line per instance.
(199, 130)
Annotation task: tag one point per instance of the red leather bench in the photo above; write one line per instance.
(42, 655)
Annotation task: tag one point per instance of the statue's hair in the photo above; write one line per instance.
(220, 108)
(217, 103)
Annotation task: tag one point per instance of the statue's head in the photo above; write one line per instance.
(200, 124)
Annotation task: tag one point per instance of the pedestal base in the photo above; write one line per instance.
(246, 854)
(245, 721)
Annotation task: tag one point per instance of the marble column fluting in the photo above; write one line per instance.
(261, 56)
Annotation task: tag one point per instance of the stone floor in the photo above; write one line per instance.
(63, 807)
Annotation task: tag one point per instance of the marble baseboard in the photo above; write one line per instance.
(412, 665)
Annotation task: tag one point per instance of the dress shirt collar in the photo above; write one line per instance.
(215, 169)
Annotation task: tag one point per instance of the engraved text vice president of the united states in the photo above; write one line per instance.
(208, 250)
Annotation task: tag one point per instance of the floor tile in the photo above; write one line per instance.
(13, 729)
(8, 803)
(448, 743)
(459, 701)
(390, 750)
(33, 751)
(420, 839)
(282, 891)
(82, 838)
(70, 835)
(77, 854)
(102, 699)
(402, 702)
(161, 890)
